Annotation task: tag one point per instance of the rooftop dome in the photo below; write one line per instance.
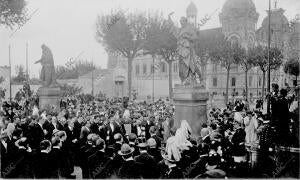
(191, 10)
(242, 5)
(278, 20)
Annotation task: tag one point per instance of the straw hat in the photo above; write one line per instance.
(125, 150)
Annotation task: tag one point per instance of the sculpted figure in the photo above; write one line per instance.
(186, 35)
(48, 71)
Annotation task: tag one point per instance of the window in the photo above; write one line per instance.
(144, 68)
(152, 69)
(233, 81)
(163, 67)
(175, 67)
(215, 67)
(259, 81)
(137, 69)
(250, 81)
(215, 82)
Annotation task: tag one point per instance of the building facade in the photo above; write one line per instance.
(238, 20)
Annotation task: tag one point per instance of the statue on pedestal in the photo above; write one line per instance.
(50, 93)
(48, 70)
(186, 35)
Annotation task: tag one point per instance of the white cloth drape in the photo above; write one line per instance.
(251, 126)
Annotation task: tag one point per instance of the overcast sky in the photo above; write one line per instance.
(68, 26)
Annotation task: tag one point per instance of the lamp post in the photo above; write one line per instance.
(153, 78)
(9, 59)
(27, 74)
(269, 71)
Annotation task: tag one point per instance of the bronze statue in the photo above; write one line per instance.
(186, 35)
(48, 71)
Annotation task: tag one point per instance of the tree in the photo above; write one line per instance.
(12, 13)
(259, 57)
(74, 69)
(21, 76)
(203, 45)
(222, 52)
(1, 79)
(168, 51)
(124, 35)
(70, 90)
(243, 58)
(2, 90)
(292, 67)
(160, 41)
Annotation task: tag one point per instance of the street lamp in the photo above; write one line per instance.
(9, 59)
(153, 61)
(269, 70)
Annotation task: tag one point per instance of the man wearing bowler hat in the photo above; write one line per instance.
(146, 162)
(129, 168)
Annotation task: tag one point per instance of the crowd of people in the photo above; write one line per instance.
(118, 138)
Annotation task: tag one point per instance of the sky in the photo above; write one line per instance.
(68, 26)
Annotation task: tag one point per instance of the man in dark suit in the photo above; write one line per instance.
(8, 154)
(68, 148)
(83, 156)
(36, 133)
(147, 123)
(129, 168)
(153, 134)
(89, 150)
(171, 170)
(139, 129)
(23, 160)
(99, 162)
(118, 142)
(146, 162)
(132, 143)
(43, 161)
(56, 158)
(94, 126)
(4, 154)
(48, 127)
(112, 128)
(283, 120)
(153, 150)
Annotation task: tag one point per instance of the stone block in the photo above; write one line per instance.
(49, 97)
(191, 105)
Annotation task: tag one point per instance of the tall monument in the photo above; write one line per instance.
(190, 97)
(49, 94)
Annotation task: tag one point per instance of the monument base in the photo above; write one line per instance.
(190, 104)
(49, 98)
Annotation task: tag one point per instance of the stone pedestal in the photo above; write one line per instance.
(190, 104)
(49, 97)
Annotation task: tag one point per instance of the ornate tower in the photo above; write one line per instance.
(238, 19)
(191, 13)
(279, 29)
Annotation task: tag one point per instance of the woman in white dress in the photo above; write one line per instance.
(251, 126)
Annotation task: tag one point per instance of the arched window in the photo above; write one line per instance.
(215, 82)
(137, 69)
(175, 67)
(233, 81)
(144, 68)
(234, 40)
(163, 67)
